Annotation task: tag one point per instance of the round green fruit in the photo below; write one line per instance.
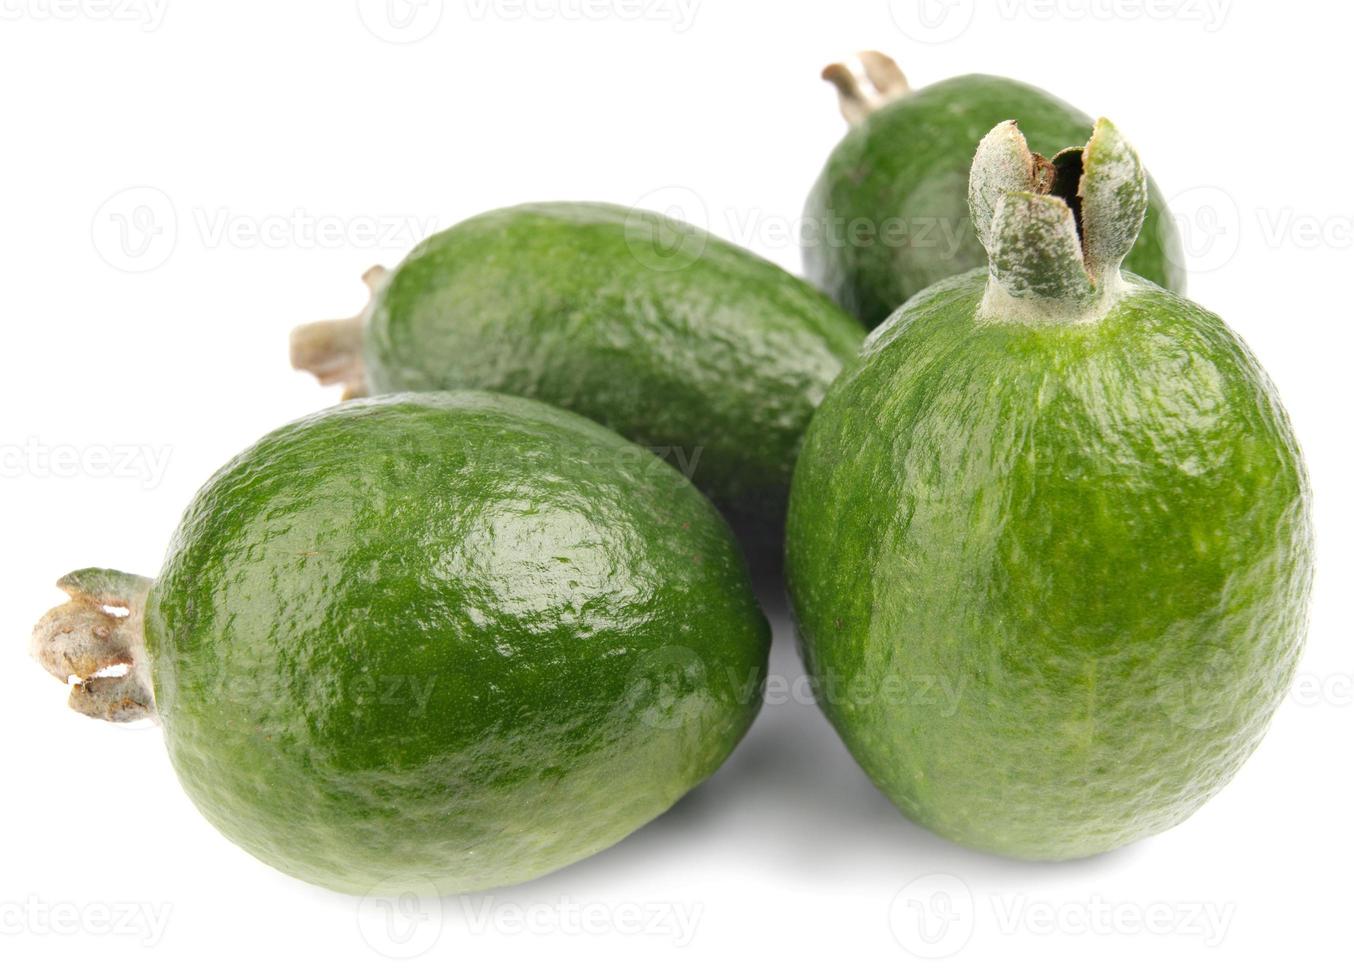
(463, 639)
(888, 216)
(1049, 544)
(683, 343)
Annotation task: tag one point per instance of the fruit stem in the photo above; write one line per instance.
(876, 69)
(96, 639)
(332, 349)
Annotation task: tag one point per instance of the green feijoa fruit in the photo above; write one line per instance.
(888, 216)
(1049, 544)
(703, 352)
(458, 638)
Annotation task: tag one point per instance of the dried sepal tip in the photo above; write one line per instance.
(1113, 194)
(1002, 165)
(862, 90)
(1056, 232)
(95, 640)
(332, 349)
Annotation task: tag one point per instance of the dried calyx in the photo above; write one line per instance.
(332, 349)
(1056, 231)
(862, 90)
(94, 642)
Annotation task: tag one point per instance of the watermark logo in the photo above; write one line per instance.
(1209, 222)
(1097, 916)
(35, 916)
(1322, 690)
(675, 921)
(932, 916)
(681, 14)
(940, 238)
(38, 460)
(409, 693)
(1209, 14)
(148, 14)
(666, 682)
(936, 915)
(1306, 231)
(932, 21)
(403, 918)
(301, 229)
(400, 21)
(139, 228)
(666, 229)
(136, 229)
(942, 21)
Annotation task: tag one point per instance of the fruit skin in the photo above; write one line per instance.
(459, 638)
(1051, 581)
(908, 162)
(672, 337)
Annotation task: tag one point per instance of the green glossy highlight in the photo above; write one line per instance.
(460, 638)
(679, 341)
(1051, 580)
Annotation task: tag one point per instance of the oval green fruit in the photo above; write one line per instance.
(681, 342)
(1049, 543)
(888, 216)
(463, 639)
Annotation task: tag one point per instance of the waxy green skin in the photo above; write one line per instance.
(1050, 580)
(463, 639)
(679, 341)
(902, 176)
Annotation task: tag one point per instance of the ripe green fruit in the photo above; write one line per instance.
(460, 638)
(679, 341)
(1048, 543)
(888, 216)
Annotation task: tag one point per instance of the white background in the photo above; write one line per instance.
(259, 155)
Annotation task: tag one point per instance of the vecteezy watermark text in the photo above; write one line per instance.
(406, 919)
(935, 915)
(681, 14)
(35, 916)
(941, 21)
(39, 460)
(149, 14)
(137, 229)
(675, 921)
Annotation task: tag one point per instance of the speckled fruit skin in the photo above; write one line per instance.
(908, 163)
(1050, 580)
(677, 340)
(463, 639)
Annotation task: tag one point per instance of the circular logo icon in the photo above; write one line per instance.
(401, 918)
(667, 679)
(666, 228)
(1209, 222)
(932, 21)
(932, 916)
(136, 229)
(400, 21)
